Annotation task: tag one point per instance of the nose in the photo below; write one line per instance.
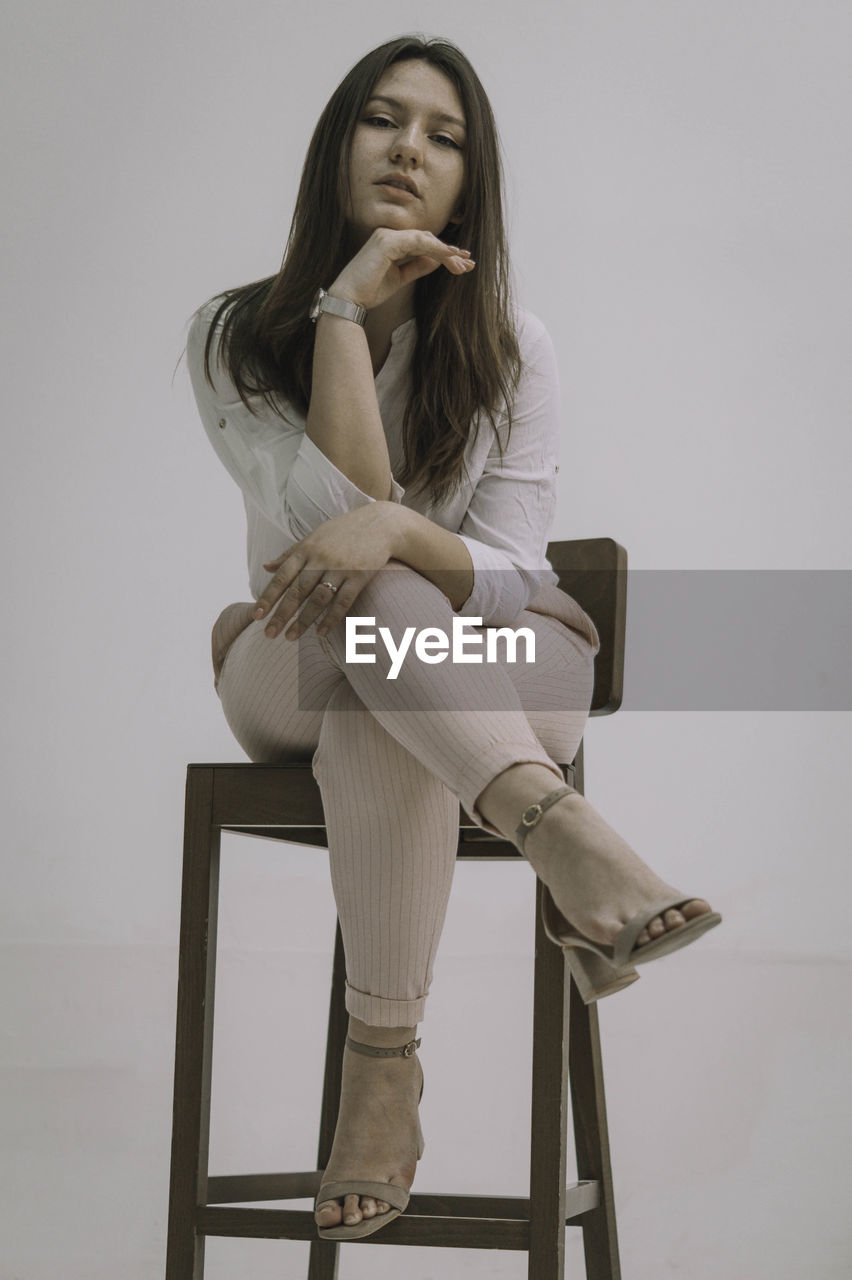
(407, 145)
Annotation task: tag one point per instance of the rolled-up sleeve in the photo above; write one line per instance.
(277, 466)
(317, 490)
(508, 522)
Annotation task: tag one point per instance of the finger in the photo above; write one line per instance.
(271, 565)
(289, 586)
(397, 246)
(420, 267)
(460, 265)
(274, 589)
(316, 604)
(292, 571)
(452, 249)
(343, 602)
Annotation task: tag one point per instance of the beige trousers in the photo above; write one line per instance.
(394, 758)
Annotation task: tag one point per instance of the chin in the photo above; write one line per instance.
(391, 221)
(379, 212)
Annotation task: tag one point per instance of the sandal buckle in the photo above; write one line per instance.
(409, 1049)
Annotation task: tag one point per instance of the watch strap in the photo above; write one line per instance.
(337, 307)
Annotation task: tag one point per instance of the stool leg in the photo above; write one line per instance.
(194, 1034)
(324, 1253)
(548, 1130)
(591, 1139)
(566, 1047)
(591, 1135)
(548, 1137)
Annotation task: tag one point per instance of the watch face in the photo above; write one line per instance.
(315, 309)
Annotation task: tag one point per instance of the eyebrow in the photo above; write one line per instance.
(436, 115)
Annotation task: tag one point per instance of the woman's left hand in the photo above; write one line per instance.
(347, 551)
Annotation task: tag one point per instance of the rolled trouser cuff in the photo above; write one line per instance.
(377, 1011)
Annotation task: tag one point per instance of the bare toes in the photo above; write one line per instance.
(656, 928)
(352, 1210)
(674, 918)
(331, 1213)
(644, 937)
(695, 907)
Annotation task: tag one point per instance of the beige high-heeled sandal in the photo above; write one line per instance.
(396, 1197)
(601, 969)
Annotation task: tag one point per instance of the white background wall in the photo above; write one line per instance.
(680, 202)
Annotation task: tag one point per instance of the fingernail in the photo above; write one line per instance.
(258, 613)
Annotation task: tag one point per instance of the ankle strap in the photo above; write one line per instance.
(372, 1051)
(532, 815)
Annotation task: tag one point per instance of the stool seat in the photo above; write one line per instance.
(283, 802)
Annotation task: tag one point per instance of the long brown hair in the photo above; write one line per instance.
(466, 358)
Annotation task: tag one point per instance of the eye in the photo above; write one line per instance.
(378, 120)
(446, 141)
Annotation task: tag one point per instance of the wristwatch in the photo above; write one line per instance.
(337, 307)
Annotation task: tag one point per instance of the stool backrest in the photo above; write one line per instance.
(593, 571)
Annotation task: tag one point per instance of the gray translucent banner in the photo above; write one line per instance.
(696, 640)
(738, 640)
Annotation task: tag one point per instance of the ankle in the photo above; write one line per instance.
(509, 794)
(380, 1037)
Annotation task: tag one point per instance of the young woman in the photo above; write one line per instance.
(392, 420)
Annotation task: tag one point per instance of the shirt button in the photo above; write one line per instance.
(222, 422)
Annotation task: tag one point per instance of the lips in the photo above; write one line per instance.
(395, 180)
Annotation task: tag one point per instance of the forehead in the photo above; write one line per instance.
(418, 84)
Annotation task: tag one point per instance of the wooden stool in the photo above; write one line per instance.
(284, 802)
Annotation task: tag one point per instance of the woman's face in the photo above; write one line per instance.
(411, 131)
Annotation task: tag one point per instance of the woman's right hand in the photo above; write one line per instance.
(391, 259)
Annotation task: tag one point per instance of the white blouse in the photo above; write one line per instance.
(503, 511)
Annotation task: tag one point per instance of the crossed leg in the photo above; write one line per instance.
(393, 759)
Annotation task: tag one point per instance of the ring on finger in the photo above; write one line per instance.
(330, 585)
